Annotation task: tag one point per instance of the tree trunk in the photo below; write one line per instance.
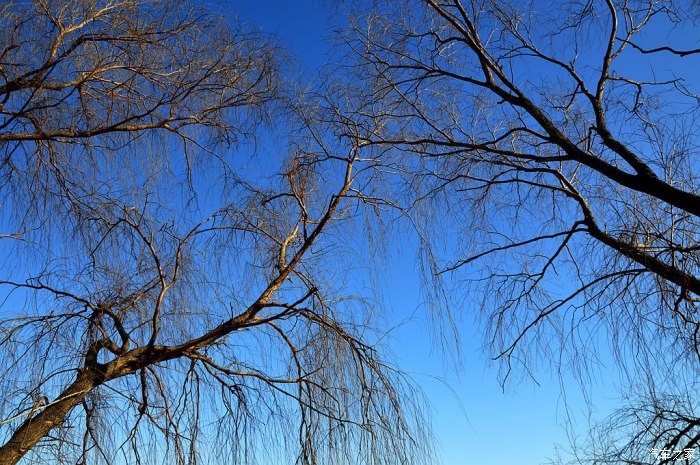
(38, 426)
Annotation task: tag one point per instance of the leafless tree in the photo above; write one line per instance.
(162, 301)
(556, 145)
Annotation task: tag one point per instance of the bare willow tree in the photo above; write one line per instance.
(556, 145)
(164, 298)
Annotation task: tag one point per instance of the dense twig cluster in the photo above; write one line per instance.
(568, 176)
(161, 301)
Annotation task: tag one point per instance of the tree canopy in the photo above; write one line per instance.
(172, 293)
(557, 142)
(166, 294)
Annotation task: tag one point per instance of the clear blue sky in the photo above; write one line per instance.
(474, 420)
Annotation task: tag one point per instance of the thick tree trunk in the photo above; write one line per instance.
(93, 375)
(38, 426)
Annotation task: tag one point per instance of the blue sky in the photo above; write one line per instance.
(475, 420)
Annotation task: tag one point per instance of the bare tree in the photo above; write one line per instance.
(556, 143)
(162, 300)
